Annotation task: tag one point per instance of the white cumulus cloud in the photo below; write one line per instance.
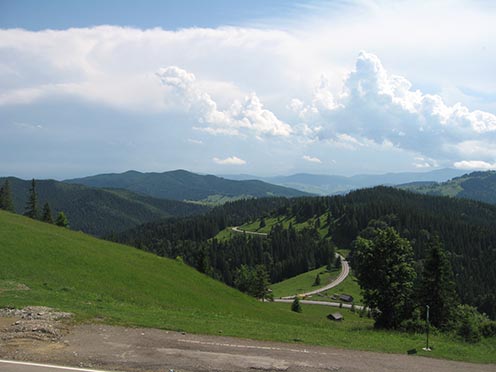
(375, 107)
(241, 117)
(231, 160)
(312, 159)
(474, 165)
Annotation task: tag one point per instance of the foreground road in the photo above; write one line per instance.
(134, 349)
(16, 366)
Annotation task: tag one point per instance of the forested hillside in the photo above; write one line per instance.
(479, 186)
(183, 185)
(98, 211)
(467, 229)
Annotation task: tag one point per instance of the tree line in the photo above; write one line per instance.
(32, 208)
(465, 228)
(401, 298)
(241, 261)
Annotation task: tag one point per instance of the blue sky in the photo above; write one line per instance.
(62, 14)
(254, 87)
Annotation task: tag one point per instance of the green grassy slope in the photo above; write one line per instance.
(479, 186)
(98, 211)
(117, 284)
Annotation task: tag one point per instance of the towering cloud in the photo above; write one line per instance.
(383, 108)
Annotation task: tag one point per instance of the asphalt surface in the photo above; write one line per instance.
(238, 230)
(17, 366)
(345, 270)
(150, 350)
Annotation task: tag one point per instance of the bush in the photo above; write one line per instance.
(488, 328)
(468, 323)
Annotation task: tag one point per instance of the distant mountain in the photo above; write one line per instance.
(184, 185)
(332, 184)
(99, 211)
(479, 186)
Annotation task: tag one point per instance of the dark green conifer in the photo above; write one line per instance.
(437, 286)
(32, 203)
(47, 214)
(296, 306)
(6, 202)
(316, 282)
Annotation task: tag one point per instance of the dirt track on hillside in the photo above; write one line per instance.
(137, 349)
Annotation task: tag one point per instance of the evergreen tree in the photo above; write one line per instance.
(47, 214)
(338, 263)
(260, 284)
(32, 203)
(296, 306)
(316, 282)
(262, 223)
(437, 286)
(6, 202)
(62, 220)
(384, 269)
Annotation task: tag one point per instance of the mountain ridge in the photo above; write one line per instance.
(325, 184)
(184, 185)
(99, 211)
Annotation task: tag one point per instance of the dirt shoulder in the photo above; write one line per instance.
(139, 349)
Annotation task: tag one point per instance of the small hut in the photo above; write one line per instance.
(335, 316)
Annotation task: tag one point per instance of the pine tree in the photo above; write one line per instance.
(437, 286)
(262, 223)
(338, 263)
(316, 282)
(62, 220)
(6, 202)
(296, 306)
(47, 214)
(32, 203)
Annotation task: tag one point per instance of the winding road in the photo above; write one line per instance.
(345, 271)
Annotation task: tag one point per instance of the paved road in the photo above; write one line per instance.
(153, 350)
(238, 230)
(345, 270)
(18, 366)
(322, 303)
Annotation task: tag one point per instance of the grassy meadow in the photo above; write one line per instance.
(100, 281)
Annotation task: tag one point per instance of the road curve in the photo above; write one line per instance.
(238, 230)
(345, 271)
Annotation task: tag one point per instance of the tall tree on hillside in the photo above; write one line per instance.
(437, 286)
(261, 282)
(47, 214)
(384, 269)
(32, 203)
(6, 202)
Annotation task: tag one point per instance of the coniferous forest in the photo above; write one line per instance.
(465, 228)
